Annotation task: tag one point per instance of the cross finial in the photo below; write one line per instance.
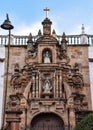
(46, 9)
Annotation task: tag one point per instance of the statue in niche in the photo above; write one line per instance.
(47, 86)
(47, 57)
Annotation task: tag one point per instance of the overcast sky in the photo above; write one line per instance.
(66, 15)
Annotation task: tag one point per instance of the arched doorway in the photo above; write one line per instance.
(47, 121)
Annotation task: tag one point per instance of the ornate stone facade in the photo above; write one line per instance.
(49, 82)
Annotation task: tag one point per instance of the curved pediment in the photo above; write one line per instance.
(47, 38)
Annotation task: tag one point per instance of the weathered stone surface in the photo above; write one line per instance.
(58, 84)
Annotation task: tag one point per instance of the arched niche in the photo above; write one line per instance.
(47, 56)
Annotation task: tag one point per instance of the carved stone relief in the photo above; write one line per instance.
(74, 77)
(19, 79)
(31, 49)
(47, 84)
(13, 102)
(63, 50)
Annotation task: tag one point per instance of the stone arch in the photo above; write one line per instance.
(45, 121)
(47, 56)
(54, 112)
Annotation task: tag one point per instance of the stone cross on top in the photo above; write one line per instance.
(46, 9)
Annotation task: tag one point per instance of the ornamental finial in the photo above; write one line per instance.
(46, 10)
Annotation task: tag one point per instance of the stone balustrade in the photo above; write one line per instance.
(71, 39)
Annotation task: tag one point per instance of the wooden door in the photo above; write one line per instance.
(47, 121)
